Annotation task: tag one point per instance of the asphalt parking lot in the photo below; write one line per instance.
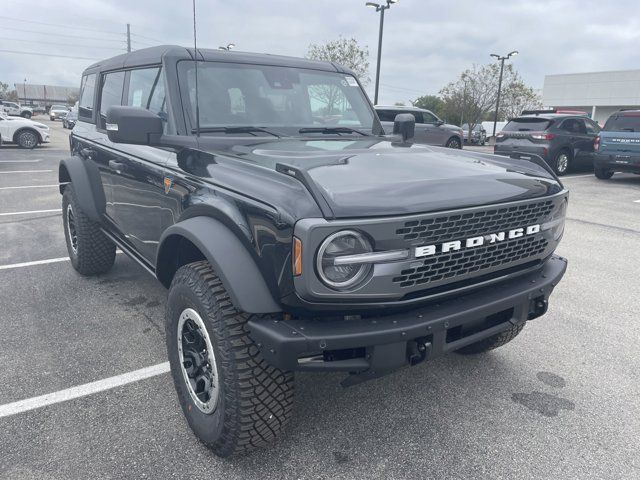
(560, 401)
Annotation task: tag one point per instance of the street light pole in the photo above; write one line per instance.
(381, 9)
(502, 59)
(24, 91)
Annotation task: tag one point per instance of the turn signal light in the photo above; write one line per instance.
(297, 256)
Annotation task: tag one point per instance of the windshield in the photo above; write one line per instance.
(527, 125)
(629, 122)
(282, 99)
(58, 107)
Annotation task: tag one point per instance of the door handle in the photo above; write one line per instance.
(88, 153)
(117, 166)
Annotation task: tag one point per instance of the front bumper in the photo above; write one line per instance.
(45, 137)
(374, 346)
(618, 162)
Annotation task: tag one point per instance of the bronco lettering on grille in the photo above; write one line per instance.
(426, 250)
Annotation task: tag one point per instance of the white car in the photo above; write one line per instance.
(57, 111)
(26, 133)
(12, 108)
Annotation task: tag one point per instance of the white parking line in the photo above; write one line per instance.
(35, 262)
(27, 171)
(21, 161)
(32, 186)
(82, 390)
(30, 212)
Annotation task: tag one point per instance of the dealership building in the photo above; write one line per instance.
(45, 95)
(597, 93)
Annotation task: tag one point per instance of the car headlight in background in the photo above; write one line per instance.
(343, 244)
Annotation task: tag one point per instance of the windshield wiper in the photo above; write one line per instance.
(329, 130)
(243, 129)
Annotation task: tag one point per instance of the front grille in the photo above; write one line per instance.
(466, 225)
(452, 265)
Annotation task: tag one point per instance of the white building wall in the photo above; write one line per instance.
(608, 92)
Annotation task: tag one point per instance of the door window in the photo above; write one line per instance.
(429, 117)
(112, 86)
(574, 125)
(146, 90)
(386, 115)
(87, 91)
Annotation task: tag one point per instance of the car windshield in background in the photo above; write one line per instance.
(58, 107)
(278, 98)
(527, 125)
(623, 123)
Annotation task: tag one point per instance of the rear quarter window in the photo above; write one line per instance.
(623, 123)
(527, 125)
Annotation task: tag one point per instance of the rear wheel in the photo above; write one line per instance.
(27, 139)
(90, 251)
(453, 142)
(602, 173)
(562, 162)
(26, 115)
(233, 400)
(493, 341)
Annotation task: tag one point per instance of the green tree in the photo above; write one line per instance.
(430, 102)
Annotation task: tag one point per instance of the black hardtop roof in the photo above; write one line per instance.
(154, 55)
(548, 116)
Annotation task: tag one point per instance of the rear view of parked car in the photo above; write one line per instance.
(69, 120)
(430, 130)
(563, 140)
(617, 148)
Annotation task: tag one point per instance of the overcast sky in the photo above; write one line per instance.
(426, 43)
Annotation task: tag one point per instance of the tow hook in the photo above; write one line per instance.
(538, 307)
(417, 351)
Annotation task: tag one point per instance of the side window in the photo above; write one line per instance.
(386, 115)
(418, 116)
(112, 85)
(429, 117)
(87, 95)
(592, 127)
(146, 90)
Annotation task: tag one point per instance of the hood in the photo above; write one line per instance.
(25, 121)
(374, 177)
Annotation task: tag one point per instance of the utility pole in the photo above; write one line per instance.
(502, 59)
(128, 38)
(381, 9)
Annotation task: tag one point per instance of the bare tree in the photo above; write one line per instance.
(345, 51)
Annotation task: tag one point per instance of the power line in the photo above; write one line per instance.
(61, 35)
(148, 38)
(60, 25)
(57, 44)
(48, 55)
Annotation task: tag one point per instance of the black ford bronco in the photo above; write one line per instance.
(292, 234)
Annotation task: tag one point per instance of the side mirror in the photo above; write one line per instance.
(439, 123)
(404, 124)
(133, 125)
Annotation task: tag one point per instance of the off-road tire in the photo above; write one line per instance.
(255, 399)
(603, 174)
(27, 139)
(94, 253)
(493, 341)
(558, 163)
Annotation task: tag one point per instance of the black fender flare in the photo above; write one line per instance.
(87, 185)
(229, 258)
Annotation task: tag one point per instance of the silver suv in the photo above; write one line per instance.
(430, 129)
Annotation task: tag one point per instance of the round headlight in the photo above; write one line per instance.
(346, 242)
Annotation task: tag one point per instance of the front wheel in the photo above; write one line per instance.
(453, 142)
(602, 173)
(493, 341)
(233, 400)
(27, 139)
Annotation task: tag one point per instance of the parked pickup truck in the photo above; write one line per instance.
(617, 148)
(15, 110)
(292, 233)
